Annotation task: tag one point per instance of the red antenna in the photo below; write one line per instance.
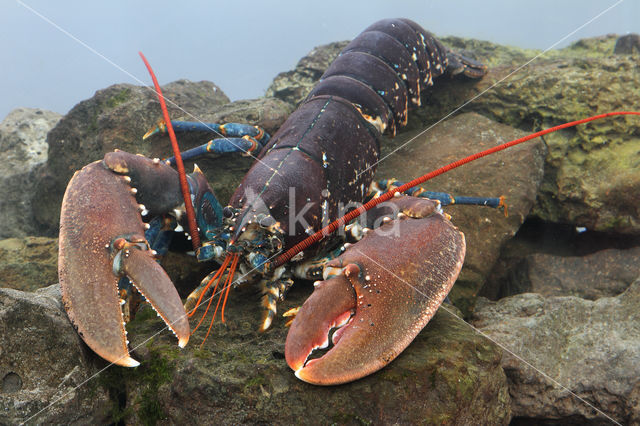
(333, 226)
(184, 186)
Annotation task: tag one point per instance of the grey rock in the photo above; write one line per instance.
(605, 273)
(628, 44)
(485, 229)
(43, 363)
(590, 348)
(293, 86)
(591, 174)
(23, 149)
(449, 374)
(28, 263)
(117, 117)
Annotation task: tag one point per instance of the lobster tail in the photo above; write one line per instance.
(396, 60)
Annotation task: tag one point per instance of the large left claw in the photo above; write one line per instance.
(384, 290)
(102, 239)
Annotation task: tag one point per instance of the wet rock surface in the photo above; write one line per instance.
(486, 229)
(117, 117)
(23, 149)
(43, 363)
(589, 348)
(28, 263)
(605, 273)
(447, 375)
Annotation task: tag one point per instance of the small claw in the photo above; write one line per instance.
(161, 127)
(387, 292)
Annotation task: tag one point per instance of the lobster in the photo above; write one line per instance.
(323, 158)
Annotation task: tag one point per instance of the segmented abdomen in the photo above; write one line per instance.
(385, 69)
(327, 149)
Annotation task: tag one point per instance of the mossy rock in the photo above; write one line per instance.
(448, 374)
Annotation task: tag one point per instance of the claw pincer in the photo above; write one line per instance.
(101, 240)
(378, 298)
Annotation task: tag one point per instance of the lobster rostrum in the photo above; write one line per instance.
(369, 301)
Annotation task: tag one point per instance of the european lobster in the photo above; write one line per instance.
(323, 158)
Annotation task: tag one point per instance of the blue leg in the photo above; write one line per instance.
(444, 198)
(232, 130)
(246, 145)
(234, 137)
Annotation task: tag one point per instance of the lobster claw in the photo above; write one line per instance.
(376, 311)
(102, 239)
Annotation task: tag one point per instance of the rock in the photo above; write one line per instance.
(28, 264)
(488, 53)
(595, 47)
(605, 273)
(23, 149)
(628, 44)
(293, 86)
(591, 174)
(485, 229)
(590, 347)
(118, 116)
(44, 365)
(449, 374)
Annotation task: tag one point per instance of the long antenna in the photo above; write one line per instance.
(184, 186)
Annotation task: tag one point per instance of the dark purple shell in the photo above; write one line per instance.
(324, 155)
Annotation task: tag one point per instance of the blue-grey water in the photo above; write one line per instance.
(241, 46)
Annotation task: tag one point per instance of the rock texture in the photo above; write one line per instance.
(44, 365)
(118, 116)
(591, 348)
(448, 375)
(293, 86)
(23, 150)
(591, 174)
(605, 273)
(628, 44)
(29, 263)
(415, 153)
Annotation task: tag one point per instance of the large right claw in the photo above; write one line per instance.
(377, 297)
(101, 240)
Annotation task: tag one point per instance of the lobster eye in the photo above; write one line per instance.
(267, 221)
(227, 212)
